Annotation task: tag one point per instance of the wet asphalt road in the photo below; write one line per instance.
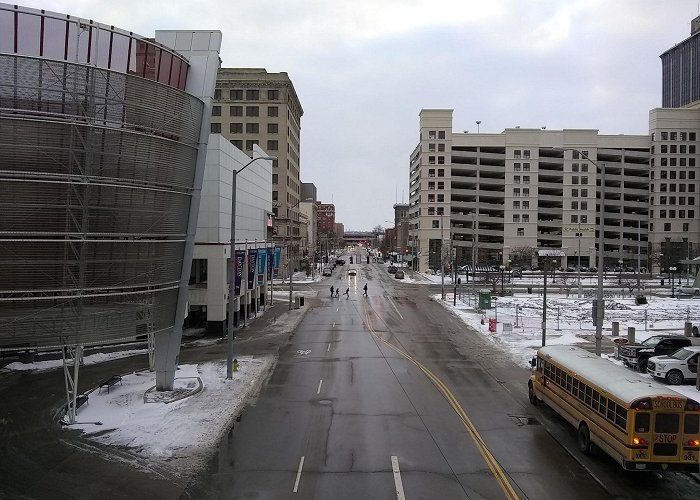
(359, 413)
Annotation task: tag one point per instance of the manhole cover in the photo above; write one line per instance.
(521, 420)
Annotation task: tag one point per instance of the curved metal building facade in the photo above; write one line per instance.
(98, 149)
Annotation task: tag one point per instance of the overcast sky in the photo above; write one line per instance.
(363, 70)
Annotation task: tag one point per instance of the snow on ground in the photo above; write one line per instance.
(188, 430)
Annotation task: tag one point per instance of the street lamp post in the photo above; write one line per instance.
(544, 304)
(232, 270)
(600, 304)
(672, 270)
(503, 271)
(442, 254)
(578, 272)
(619, 278)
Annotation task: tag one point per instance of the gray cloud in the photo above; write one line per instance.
(363, 70)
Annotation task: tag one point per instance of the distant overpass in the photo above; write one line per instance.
(357, 237)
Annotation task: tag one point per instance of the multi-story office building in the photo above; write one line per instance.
(674, 198)
(326, 219)
(491, 198)
(253, 107)
(104, 137)
(400, 242)
(680, 82)
(309, 210)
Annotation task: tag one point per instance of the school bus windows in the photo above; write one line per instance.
(642, 422)
(692, 424)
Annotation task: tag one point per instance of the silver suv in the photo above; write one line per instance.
(675, 368)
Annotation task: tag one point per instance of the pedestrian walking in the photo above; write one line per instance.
(347, 293)
(332, 290)
(337, 292)
(365, 289)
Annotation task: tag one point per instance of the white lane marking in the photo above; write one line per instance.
(397, 478)
(334, 324)
(296, 483)
(319, 386)
(329, 348)
(395, 308)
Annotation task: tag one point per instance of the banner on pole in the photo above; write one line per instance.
(270, 258)
(278, 258)
(262, 258)
(239, 262)
(252, 266)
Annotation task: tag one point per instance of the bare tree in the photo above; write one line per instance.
(522, 256)
(566, 284)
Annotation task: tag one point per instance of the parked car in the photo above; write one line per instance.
(637, 355)
(327, 271)
(675, 368)
(689, 290)
(399, 275)
(392, 269)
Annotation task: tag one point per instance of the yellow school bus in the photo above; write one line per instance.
(640, 423)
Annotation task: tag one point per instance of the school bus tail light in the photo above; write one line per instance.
(639, 441)
(694, 443)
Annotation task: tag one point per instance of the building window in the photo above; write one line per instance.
(431, 198)
(516, 167)
(691, 214)
(431, 147)
(584, 179)
(431, 210)
(516, 179)
(215, 128)
(574, 179)
(252, 111)
(236, 95)
(691, 136)
(272, 145)
(431, 185)
(273, 95)
(431, 160)
(526, 167)
(235, 110)
(516, 191)
(516, 205)
(272, 128)
(441, 148)
(275, 178)
(526, 191)
(663, 174)
(252, 95)
(217, 94)
(238, 143)
(521, 231)
(235, 128)
(436, 223)
(272, 111)
(526, 205)
(441, 185)
(441, 172)
(252, 128)
(664, 136)
(516, 218)
(584, 193)
(441, 211)
(686, 227)
(216, 111)
(667, 226)
(441, 160)
(574, 218)
(441, 134)
(574, 205)
(432, 134)
(574, 193)
(584, 205)
(662, 214)
(431, 172)
(584, 167)
(584, 219)
(441, 198)
(674, 136)
(526, 179)
(516, 153)
(249, 144)
(526, 153)
(681, 214)
(574, 167)
(526, 218)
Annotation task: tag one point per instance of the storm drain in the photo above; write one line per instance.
(521, 420)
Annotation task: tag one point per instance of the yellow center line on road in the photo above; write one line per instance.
(494, 466)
